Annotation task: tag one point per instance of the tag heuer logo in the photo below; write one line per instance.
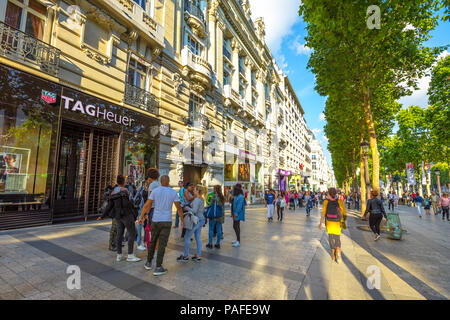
(48, 97)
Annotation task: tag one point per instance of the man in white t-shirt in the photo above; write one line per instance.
(164, 198)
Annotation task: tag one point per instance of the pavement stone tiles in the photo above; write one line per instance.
(278, 260)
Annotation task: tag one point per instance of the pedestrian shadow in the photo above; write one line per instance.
(374, 293)
(418, 285)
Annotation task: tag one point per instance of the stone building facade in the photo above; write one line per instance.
(96, 88)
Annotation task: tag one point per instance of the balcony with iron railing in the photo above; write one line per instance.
(232, 95)
(307, 147)
(23, 48)
(141, 99)
(140, 18)
(195, 18)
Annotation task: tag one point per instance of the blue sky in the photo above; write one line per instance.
(285, 33)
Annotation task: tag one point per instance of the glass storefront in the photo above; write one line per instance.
(59, 149)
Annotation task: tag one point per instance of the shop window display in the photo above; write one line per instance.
(26, 133)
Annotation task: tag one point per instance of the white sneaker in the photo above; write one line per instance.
(236, 244)
(119, 258)
(133, 258)
(142, 248)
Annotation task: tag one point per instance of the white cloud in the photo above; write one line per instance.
(420, 97)
(299, 48)
(283, 64)
(322, 116)
(279, 17)
(316, 131)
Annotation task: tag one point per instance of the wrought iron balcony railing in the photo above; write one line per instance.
(21, 47)
(194, 10)
(140, 98)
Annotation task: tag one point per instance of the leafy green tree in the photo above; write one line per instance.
(368, 63)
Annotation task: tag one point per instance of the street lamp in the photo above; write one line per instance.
(438, 176)
(365, 151)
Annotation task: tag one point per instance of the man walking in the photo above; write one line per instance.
(164, 198)
(418, 200)
(123, 213)
(434, 202)
(270, 202)
(391, 200)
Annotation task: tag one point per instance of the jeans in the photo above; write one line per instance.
(197, 232)
(218, 226)
(237, 229)
(177, 220)
(280, 213)
(270, 208)
(113, 235)
(139, 228)
(357, 205)
(128, 223)
(391, 204)
(419, 208)
(160, 231)
(445, 212)
(374, 222)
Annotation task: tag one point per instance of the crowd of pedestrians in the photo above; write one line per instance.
(143, 215)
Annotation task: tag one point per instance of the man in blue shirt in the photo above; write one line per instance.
(270, 204)
(418, 200)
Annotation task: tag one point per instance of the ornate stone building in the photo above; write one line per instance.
(94, 88)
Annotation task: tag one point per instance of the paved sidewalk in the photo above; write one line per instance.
(288, 260)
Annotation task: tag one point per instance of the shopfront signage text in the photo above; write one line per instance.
(96, 111)
(48, 96)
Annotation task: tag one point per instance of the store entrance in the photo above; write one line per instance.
(87, 163)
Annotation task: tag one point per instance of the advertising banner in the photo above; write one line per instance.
(410, 173)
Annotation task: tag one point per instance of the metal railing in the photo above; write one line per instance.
(19, 46)
(140, 98)
(194, 10)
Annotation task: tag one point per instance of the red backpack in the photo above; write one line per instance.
(333, 212)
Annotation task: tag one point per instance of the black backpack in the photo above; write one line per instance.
(333, 212)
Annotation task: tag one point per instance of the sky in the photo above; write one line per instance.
(285, 32)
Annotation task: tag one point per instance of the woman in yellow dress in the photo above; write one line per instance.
(334, 218)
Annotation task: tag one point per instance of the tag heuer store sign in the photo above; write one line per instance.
(49, 97)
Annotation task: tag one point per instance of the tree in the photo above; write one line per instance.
(368, 64)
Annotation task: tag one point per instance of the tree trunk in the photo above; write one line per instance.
(373, 143)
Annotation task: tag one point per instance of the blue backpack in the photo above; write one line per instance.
(214, 211)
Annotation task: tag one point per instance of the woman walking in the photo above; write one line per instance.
(217, 200)
(334, 214)
(194, 225)
(140, 198)
(238, 213)
(282, 205)
(444, 205)
(376, 209)
(427, 205)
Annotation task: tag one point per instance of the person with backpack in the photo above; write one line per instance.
(186, 200)
(334, 214)
(434, 202)
(238, 213)
(104, 214)
(216, 222)
(125, 215)
(194, 220)
(376, 209)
